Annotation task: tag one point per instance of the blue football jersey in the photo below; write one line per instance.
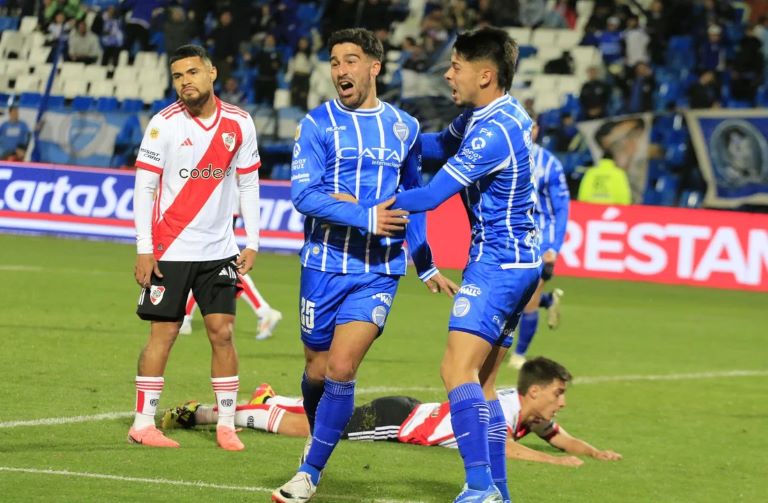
(553, 198)
(370, 154)
(490, 163)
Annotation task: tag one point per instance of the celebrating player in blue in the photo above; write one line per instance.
(491, 167)
(352, 257)
(552, 218)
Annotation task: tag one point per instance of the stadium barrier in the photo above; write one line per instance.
(647, 243)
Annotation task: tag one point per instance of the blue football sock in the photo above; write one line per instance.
(528, 324)
(333, 413)
(469, 418)
(311, 391)
(546, 300)
(497, 447)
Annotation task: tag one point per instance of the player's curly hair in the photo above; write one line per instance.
(493, 44)
(541, 371)
(361, 37)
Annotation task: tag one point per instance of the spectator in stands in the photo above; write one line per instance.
(500, 12)
(567, 10)
(178, 29)
(635, 43)
(58, 29)
(609, 43)
(109, 28)
(704, 93)
(532, 12)
(434, 29)
(712, 51)
(761, 32)
(595, 95)
(747, 68)
(462, 16)
(13, 132)
(137, 22)
(84, 45)
(638, 92)
(231, 93)
(72, 9)
(375, 15)
(605, 183)
(16, 155)
(656, 26)
(268, 63)
(300, 67)
(223, 45)
(415, 56)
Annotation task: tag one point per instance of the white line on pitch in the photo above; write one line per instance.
(403, 389)
(186, 483)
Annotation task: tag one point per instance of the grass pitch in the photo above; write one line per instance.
(674, 378)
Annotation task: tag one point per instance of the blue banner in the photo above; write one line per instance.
(85, 139)
(98, 203)
(732, 153)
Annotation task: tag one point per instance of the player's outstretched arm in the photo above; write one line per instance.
(572, 445)
(523, 453)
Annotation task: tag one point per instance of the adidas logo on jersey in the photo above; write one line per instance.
(186, 143)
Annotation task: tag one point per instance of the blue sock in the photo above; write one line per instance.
(469, 418)
(311, 390)
(546, 300)
(528, 324)
(497, 447)
(333, 414)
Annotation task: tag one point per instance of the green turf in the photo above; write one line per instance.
(71, 339)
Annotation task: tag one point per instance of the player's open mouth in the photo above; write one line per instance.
(345, 88)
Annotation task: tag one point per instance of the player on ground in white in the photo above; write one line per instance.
(528, 409)
(189, 157)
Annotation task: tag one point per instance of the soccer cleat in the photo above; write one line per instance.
(151, 437)
(268, 323)
(182, 416)
(516, 361)
(227, 439)
(490, 495)
(186, 326)
(261, 394)
(553, 313)
(297, 490)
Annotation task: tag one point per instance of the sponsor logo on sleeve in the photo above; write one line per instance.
(477, 143)
(149, 154)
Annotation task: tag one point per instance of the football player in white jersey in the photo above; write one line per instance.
(530, 408)
(189, 157)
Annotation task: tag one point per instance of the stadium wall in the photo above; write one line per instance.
(647, 243)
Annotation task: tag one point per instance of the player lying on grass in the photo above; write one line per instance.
(530, 407)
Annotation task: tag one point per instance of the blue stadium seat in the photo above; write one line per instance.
(55, 102)
(30, 100)
(9, 23)
(106, 104)
(691, 199)
(5, 99)
(158, 105)
(83, 103)
(549, 120)
(666, 189)
(762, 96)
(527, 51)
(131, 105)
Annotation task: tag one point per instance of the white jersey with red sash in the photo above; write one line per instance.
(430, 423)
(197, 162)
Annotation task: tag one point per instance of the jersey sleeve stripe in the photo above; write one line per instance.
(249, 169)
(149, 167)
(466, 182)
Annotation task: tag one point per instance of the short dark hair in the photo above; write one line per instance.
(493, 44)
(365, 39)
(189, 51)
(541, 371)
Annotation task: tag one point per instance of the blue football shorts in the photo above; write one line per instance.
(490, 301)
(328, 299)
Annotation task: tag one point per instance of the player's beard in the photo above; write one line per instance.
(361, 94)
(196, 103)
